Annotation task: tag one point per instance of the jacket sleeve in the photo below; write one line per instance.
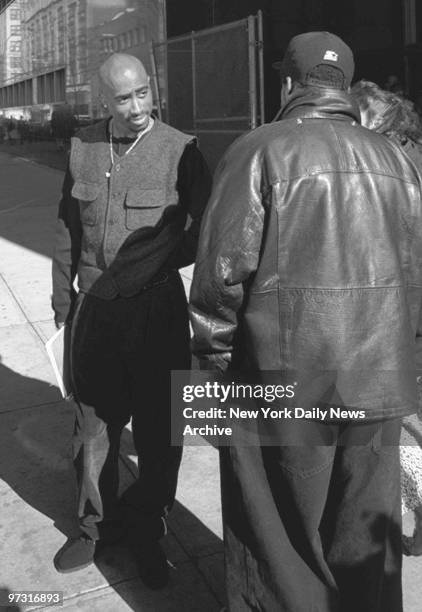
(194, 188)
(67, 250)
(228, 254)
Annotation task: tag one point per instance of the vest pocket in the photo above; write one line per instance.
(144, 207)
(87, 194)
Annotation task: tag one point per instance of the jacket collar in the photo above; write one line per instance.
(321, 103)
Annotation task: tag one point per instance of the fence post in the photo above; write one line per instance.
(155, 80)
(194, 100)
(252, 71)
(261, 67)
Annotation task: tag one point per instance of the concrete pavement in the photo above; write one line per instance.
(37, 489)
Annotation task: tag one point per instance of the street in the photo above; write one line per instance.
(37, 487)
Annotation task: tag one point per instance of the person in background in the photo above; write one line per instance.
(22, 127)
(63, 124)
(396, 118)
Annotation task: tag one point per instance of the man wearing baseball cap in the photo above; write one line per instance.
(310, 262)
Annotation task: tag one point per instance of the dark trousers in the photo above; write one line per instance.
(315, 529)
(122, 353)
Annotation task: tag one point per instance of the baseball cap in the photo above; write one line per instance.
(306, 51)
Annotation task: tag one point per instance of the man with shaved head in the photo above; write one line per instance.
(131, 185)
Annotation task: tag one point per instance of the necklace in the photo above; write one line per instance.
(132, 146)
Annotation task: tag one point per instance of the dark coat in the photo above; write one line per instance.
(310, 257)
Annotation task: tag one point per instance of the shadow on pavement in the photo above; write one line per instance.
(33, 443)
(196, 580)
(29, 201)
(35, 462)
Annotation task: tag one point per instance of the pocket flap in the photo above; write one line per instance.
(85, 191)
(137, 197)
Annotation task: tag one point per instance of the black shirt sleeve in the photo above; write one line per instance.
(194, 187)
(67, 250)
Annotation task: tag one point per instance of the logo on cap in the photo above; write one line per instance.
(331, 55)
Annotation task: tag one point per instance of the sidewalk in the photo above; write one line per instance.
(44, 152)
(37, 488)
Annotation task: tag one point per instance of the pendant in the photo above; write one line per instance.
(108, 174)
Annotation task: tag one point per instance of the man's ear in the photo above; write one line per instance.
(286, 90)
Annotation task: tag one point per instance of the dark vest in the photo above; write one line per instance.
(124, 217)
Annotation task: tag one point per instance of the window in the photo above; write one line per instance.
(15, 46)
(15, 30)
(129, 39)
(122, 42)
(115, 44)
(15, 14)
(15, 62)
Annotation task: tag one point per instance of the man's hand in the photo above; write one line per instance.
(59, 324)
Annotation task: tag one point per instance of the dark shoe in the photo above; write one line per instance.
(153, 566)
(75, 555)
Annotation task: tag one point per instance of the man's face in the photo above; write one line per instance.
(129, 99)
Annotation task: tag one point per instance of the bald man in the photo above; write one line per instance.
(131, 185)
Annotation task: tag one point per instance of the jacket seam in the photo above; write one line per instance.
(257, 292)
(280, 344)
(342, 157)
(357, 171)
(348, 288)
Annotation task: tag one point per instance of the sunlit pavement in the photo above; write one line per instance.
(37, 488)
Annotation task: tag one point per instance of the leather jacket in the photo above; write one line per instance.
(310, 256)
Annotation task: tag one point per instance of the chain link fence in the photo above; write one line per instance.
(210, 83)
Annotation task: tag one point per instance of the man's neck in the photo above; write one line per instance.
(119, 132)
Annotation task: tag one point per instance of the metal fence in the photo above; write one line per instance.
(211, 83)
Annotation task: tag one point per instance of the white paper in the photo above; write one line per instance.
(55, 348)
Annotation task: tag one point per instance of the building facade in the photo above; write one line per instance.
(11, 40)
(63, 43)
